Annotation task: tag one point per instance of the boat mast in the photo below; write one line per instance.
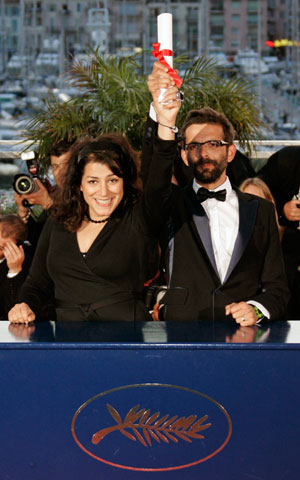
(295, 50)
(259, 90)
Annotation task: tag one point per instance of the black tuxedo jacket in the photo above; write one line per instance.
(255, 271)
(196, 292)
(282, 175)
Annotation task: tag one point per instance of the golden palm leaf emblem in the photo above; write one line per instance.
(140, 425)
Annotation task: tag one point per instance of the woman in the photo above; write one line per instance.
(98, 248)
(256, 186)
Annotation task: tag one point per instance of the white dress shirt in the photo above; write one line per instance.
(224, 224)
(9, 274)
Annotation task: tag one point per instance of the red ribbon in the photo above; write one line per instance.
(160, 55)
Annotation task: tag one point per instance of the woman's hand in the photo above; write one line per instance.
(21, 313)
(166, 106)
(159, 78)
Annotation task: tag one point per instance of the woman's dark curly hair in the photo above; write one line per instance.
(113, 150)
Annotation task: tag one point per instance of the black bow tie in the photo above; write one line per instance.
(203, 194)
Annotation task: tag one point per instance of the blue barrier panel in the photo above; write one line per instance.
(181, 401)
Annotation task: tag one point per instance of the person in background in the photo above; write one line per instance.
(14, 262)
(59, 155)
(282, 175)
(256, 186)
(99, 245)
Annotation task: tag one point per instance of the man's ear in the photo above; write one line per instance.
(231, 153)
(184, 157)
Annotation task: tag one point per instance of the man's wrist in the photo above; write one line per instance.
(24, 216)
(13, 273)
(259, 314)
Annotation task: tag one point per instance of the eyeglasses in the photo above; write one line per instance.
(209, 145)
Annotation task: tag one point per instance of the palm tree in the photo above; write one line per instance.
(113, 97)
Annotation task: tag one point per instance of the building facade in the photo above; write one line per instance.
(66, 27)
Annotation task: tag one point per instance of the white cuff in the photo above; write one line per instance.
(152, 113)
(12, 274)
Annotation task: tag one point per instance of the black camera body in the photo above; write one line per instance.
(24, 183)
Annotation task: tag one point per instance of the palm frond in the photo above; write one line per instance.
(113, 96)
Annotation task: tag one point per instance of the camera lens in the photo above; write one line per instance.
(24, 184)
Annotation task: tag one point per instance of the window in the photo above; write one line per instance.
(15, 11)
(253, 6)
(14, 25)
(252, 18)
(130, 27)
(128, 9)
(216, 30)
(216, 19)
(216, 5)
(236, 18)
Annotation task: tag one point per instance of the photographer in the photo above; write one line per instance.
(282, 175)
(59, 157)
(14, 262)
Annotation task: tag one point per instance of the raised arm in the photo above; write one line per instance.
(160, 149)
(166, 105)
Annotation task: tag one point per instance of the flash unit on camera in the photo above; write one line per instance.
(31, 155)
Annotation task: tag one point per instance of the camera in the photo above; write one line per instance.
(24, 183)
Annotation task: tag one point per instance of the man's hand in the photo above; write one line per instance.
(21, 313)
(14, 257)
(21, 210)
(291, 211)
(40, 197)
(243, 313)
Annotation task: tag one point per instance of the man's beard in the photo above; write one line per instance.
(207, 175)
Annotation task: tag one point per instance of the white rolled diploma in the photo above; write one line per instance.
(165, 38)
(165, 34)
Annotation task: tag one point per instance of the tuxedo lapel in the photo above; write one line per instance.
(200, 225)
(247, 217)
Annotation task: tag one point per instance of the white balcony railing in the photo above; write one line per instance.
(263, 149)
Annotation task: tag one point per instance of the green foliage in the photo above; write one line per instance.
(7, 204)
(203, 85)
(113, 97)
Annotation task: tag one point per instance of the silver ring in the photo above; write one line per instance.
(179, 96)
(243, 319)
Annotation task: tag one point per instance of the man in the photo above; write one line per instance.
(13, 262)
(282, 175)
(222, 255)
(59, 157)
